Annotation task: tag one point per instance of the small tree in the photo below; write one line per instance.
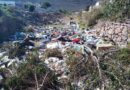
(31, 8)
(26, 6)
(46, 5)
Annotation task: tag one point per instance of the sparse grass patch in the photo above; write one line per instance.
(89, 18)
(93, 15)
(128, 45)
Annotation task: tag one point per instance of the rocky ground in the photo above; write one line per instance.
(118, 32)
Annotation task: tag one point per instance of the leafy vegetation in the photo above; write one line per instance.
(6, 11)
(32, 74)
(117, 10)
(30, 7)
(16, 51)
(114, 68)
(79, 68)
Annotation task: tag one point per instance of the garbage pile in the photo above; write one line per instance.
(42, 39)
(51, 38)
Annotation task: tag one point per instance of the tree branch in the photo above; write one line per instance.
(41, 85)
(37, 85)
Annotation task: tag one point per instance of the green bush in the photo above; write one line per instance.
(14, 82)
(46, 5)
(124, 56)
(117, 10)
(26, 74)
(116, 70)
(16, 51)
(79, 67)
(32, 8)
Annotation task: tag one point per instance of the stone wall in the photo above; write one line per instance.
(118, 32)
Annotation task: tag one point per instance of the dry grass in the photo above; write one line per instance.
(129, 45)
(92, 16)
(53, 53)
(89, 18)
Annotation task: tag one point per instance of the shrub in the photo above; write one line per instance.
(27, 73)
(63, 11)
(16, 51)
(93, 16)
(79, 67)
(114, 67)
(128, 45)
(31, 8)
(14, 82)
(88, 19)
(117, 10)
(124, 56)
(53, 53)
(116, 70)
(46, 5)
(26, 6)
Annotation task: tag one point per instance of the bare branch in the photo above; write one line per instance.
(10, 71)
(37, 85)
(95, 59)
(41, 85)
(106, 53)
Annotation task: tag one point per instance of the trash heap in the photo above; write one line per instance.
(65, 52)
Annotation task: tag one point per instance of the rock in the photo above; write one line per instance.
(1, 77)
(5, 59)
(123, 45)
(119, 39)
(124, 32)
(120, 34)
(3, 66)
(117, 31)
(124, 38)
(63, 77)
(110, 31)
(97, 89)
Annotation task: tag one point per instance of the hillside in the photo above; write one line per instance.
(85, 49)
(9, 23)
(14, 20)
(72, 5)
